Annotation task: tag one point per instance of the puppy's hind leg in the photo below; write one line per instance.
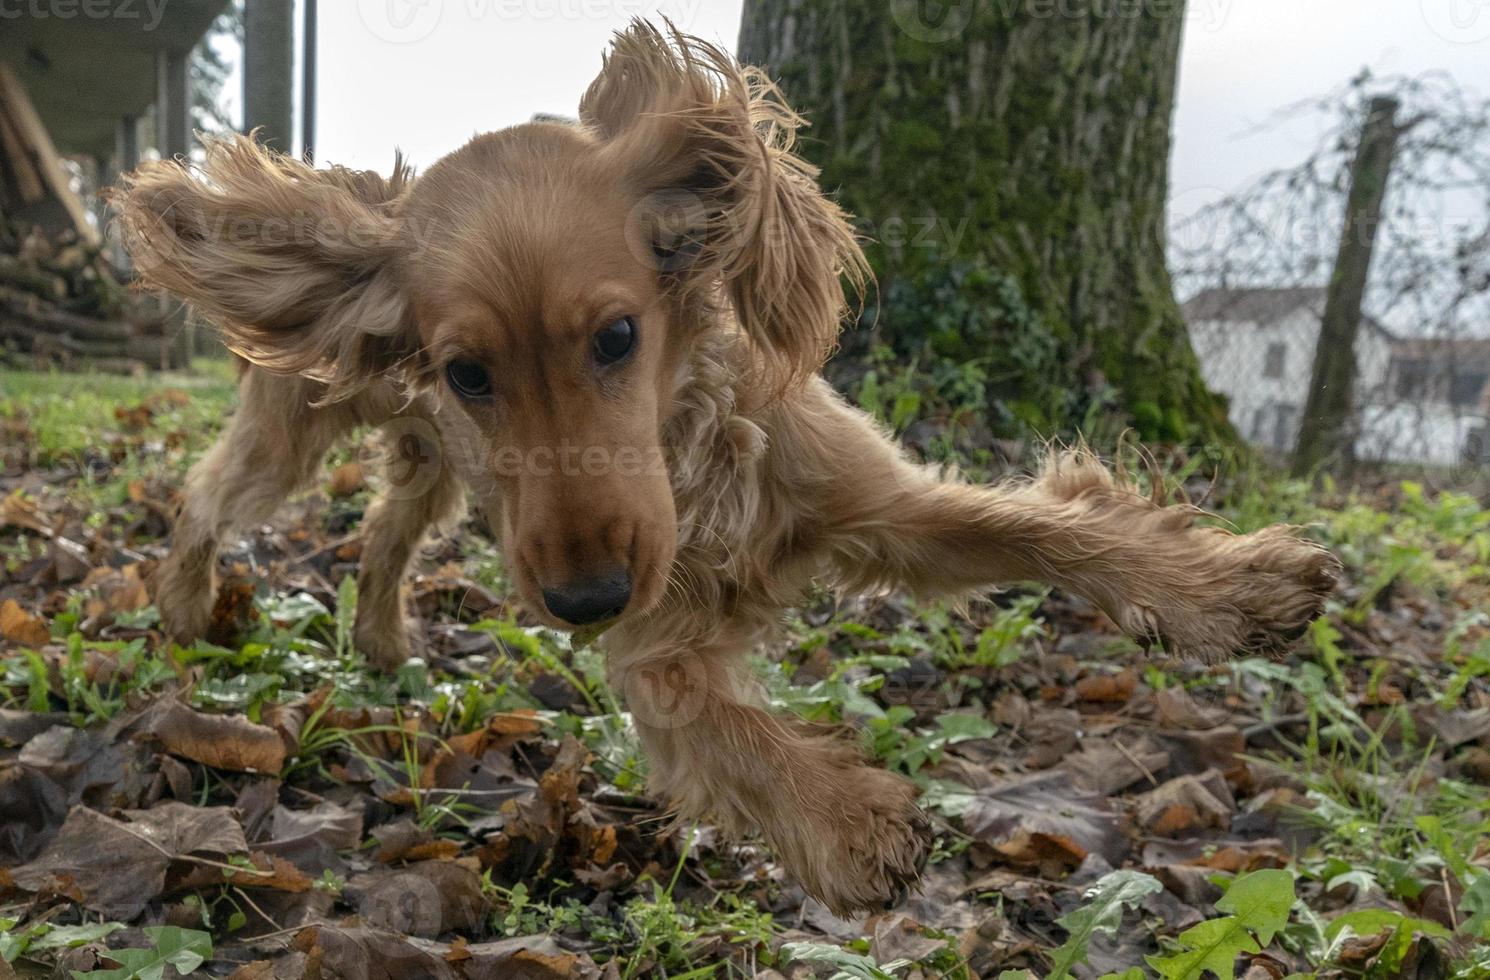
(272, 445)
(421, 490)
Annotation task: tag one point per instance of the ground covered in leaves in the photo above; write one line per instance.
(263, 806)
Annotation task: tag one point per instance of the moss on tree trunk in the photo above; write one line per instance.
(1027, 142)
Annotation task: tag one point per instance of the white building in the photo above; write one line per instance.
(1435, 407)
(1417, 401)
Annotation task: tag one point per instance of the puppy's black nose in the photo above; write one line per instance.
(591, 600)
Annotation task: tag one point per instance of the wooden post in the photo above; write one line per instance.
(173, 139)
(172, 104)
(126, 157)
(127, 144)
(269, 71)
(1327, 433)
(308, 85)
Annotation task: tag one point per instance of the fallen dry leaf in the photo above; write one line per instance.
(1178, 708)
(1454, 728)
(1047, 810)
(313, 838)
(1105, 768)
(289, 719)
(17, 510)
(262, 871)
(221, 741)
(526, 958)
(1051, 734)
(71, 561)
(1189, 883)
(1111, 688)
(63, 766)
(17, 727)
(167, 398)
(603, 845)
(395, 839)
(1050, 855)
(117, 867)
(129, 593)
(284, 876)
(1195, 751)
(1186, 803)
(423, 899)
(23, 628)
(346, 480)
(134, 418)
(257, 970)
(902, 937)
(233, 610)
(360, 953)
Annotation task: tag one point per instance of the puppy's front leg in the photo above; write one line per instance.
(850, 833)
(1204, 591)
(272, 445)
(422, 490)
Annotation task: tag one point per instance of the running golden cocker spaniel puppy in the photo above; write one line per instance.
(610, 334)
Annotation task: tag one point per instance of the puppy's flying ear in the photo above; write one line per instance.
(294, 264)
(707, 144)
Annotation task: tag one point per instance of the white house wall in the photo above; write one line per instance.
(1233, 357)
(1417, 433)
(1267, 411)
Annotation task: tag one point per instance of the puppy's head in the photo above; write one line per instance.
(544, 283)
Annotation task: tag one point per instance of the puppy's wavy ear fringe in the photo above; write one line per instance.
(702, 135)
(292, 263)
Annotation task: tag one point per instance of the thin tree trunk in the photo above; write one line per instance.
(1327, 431)
(1011, 163)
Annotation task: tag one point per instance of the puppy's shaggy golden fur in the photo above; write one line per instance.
(708, 470)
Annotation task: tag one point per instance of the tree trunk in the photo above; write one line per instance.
(1327, 432)
(1010, 161)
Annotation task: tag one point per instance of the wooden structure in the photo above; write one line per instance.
(75, 88)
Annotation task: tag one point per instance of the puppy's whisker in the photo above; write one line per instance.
(729, 554)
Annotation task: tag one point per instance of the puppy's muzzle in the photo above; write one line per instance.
(590, 600)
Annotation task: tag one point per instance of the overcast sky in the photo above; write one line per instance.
(425, 75)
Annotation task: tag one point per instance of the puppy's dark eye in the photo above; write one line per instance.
(469, 379)
(615, 341)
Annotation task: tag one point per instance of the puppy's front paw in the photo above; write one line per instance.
(1296, 576)
(185, 598)
(863, 848)
(1260, 596)
(388, 645)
